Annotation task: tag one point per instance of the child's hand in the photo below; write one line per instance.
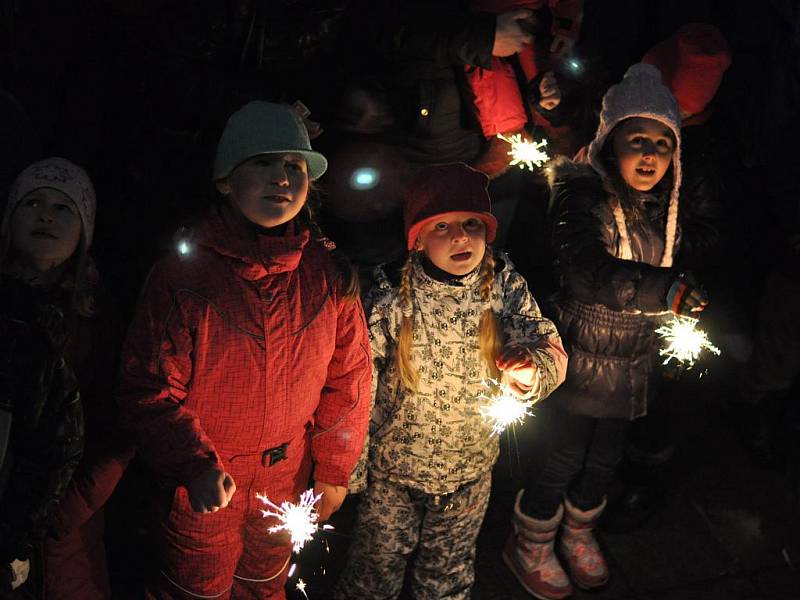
(549, 92)
(211, 490)
(517, 364)
(509, 35)
(332, 498)
(685, 297)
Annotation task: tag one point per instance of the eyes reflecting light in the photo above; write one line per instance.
(364, 178)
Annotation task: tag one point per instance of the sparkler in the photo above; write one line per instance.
(301, 587)
(524, 153)
(684, 341)
(503, 408)
(299, 520)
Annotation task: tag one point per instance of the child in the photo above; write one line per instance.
(47, 301)
(457, 316)
(247, 367)
(615, 235)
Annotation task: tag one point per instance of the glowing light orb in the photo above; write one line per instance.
(299, 520)
(184, 247)
(502, 408)
(575, 65)
(524, 153)
(684, 341)
(364, 178)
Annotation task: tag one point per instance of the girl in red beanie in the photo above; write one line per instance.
(457, 315)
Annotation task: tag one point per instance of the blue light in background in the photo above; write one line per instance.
(364, 178)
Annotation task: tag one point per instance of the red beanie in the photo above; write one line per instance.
(443, 189)
(692, 63)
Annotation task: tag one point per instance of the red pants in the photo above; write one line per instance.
(230, 553)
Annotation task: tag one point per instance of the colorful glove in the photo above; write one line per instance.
(685, 297)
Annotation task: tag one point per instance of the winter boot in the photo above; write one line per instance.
(530, 557)
(579, 547)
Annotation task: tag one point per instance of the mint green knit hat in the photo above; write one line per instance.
(265, 128)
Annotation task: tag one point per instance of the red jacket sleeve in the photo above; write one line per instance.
(342, 417)
(155, 376)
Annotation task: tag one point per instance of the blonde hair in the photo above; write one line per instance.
(490, 338)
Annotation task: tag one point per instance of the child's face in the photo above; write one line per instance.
(269, 189)
(643, 149)
(45, 228)
(455, 242)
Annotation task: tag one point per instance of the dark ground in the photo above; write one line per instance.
(729, 530)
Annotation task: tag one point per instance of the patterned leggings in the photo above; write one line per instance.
(393, 522)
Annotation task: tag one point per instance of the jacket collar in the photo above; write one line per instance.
(253, 255)
(426, 283)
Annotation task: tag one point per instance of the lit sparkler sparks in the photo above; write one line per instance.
(503, 408)
(299, 520)
(684, 341)
(301, 587)
(524, 153)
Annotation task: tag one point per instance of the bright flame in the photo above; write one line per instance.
(503, 408)
(684, 341)
(299, 520)
(524, 153)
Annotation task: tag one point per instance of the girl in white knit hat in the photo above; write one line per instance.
(615, 237)
(48, 318)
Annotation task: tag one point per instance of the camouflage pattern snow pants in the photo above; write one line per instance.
(394, 521)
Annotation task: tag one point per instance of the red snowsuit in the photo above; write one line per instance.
(243, 355)
(498, 100)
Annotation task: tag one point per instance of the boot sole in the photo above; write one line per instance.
(511, 567)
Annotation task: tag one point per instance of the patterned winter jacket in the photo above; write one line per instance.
(435, 439)
(242, 346)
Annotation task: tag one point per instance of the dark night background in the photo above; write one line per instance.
(137, 92)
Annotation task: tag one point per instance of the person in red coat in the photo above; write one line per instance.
(247, 367)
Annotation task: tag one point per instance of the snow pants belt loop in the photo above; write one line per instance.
(274, 455)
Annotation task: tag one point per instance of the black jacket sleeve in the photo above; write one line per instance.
(584, 235)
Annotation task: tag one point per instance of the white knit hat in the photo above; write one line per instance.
(641, 94)
(59, 174)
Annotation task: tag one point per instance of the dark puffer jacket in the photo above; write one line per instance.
(607, 308)
(40, 392)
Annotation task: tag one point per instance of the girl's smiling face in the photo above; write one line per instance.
(643, 149)
(455, 242)
(45, 228)
(269, 189)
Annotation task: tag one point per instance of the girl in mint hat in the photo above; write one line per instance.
(247, 367)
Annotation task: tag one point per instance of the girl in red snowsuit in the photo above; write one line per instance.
(247, 367)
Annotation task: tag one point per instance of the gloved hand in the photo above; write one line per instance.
(510, 34)
(686, 297)
(549, 92)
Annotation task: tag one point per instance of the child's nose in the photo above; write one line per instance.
(459, 233)
(278, 175)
